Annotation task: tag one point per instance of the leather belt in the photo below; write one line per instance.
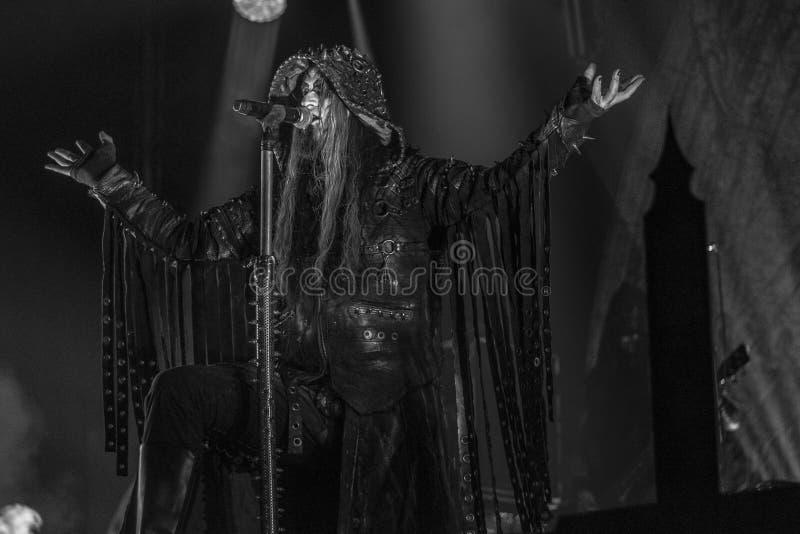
(390, 246)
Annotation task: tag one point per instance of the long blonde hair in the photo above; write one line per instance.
(335, 165)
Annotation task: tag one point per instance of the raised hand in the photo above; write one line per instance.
(586, 101)
(89, 165)
(618, 91)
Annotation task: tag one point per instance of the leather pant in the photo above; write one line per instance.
(192, 408)
(194, 405)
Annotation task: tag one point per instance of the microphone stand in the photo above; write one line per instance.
(262, 280)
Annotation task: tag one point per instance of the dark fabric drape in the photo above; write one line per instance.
(176, 293)
(161, 312)
(744, 147)
(505, 332)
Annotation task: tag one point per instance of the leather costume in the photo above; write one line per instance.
(175, 292)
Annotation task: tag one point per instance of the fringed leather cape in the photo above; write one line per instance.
(175, 292)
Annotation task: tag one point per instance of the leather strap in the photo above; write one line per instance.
(295, 432)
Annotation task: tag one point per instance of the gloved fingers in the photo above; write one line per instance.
(625, 82)
(630, 88)
(58, 169)
(58, 158)
(105, 138)
(613, 88)
(589, 71)
(83, 146)
(597, 96)
(66, 154)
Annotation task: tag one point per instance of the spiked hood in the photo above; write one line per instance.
(354, 79)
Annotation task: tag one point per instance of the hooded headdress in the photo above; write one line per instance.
(355, 80)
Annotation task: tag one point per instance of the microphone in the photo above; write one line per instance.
(274, 113)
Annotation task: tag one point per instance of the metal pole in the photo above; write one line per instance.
(267, 169)
(263, 273)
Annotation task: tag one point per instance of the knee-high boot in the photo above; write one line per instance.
(166, 474)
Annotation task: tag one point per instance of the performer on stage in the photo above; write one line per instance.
(360, 371)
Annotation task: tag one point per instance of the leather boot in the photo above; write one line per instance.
(165, 481)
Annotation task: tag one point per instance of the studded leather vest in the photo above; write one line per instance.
(375, 335)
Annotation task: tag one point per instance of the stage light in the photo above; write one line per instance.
(260, 10)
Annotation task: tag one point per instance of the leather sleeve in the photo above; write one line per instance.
(229, 231)
(451, 189)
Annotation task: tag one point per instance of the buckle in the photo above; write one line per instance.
(389, 246)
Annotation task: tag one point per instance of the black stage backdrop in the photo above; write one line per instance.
(465, 78)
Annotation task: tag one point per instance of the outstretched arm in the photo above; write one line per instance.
(227, 231)
(452, 189)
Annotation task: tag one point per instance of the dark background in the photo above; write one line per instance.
(464, 78)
